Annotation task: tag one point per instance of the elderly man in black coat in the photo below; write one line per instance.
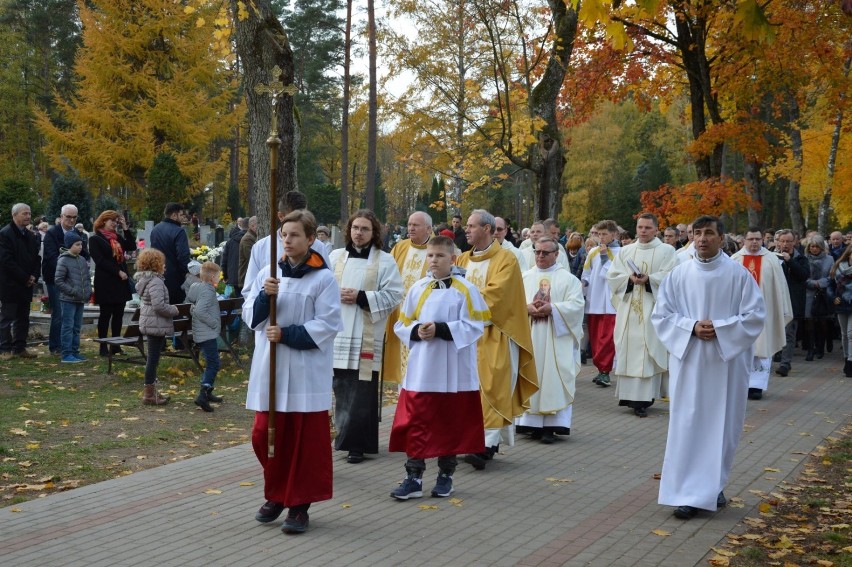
(231, 255)
(21, 266)
(54, 240)
(796, 272)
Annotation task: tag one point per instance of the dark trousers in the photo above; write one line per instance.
(356, 412)
(446, 464)
(54, 341)
(14, 322)
(155, 347)
(111, 317)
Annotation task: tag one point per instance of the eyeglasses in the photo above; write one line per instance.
(500, 229)
(70, 216)
(545, 252)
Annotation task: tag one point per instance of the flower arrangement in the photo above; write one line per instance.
(204, 253)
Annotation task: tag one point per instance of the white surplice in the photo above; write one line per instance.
(556, 345)
(303, 378)
(708, 383)
(598, 295)
(766, 268)
(641, 358)
(384, 292)
(519, 256)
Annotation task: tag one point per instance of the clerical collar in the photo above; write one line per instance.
(481, 252)
(550, 269)
(709, 260)
(358, 253)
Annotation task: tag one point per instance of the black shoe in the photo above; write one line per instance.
(847, 368)
(547, 437)
(641, 412)
(776, 357)
(295, 522)
(202, 401)
(685, 512)
(477, 460)
(819, 355)
(583, 357)
(755, 393)
(355, 457)
(269, 512)
(212, 398)
(810, 356)
(782, 370)
(721, 501)
(536, 435)
(829, 346)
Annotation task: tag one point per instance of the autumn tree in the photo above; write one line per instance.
(149, 82)
(67, 189)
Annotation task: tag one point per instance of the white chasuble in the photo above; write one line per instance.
(598, 296)
(708, 382)
(556, 340)
(359, 345)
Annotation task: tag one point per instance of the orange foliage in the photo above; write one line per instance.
(743, 134)
(707, 197)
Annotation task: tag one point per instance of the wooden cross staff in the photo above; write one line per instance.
(275, 88)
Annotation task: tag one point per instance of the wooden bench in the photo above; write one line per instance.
(229, 308)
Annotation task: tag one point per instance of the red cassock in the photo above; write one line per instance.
(434, 424)
(301, 470)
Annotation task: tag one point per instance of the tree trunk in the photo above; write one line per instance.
(794, 205)
(825, 204)
(344, 130)
(262, 44)
(751, 175)
(372, 111)
(549, 156)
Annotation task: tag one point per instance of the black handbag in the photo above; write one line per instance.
(821, 306)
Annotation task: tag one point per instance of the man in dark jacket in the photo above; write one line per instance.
(231, 255)
(459, 237)
(54, 240)
(170, 238)
(796, 272)
(21, 266)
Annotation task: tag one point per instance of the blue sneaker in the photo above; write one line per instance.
(411, 487)
(443, 487)
(70, 359)
(81, 358)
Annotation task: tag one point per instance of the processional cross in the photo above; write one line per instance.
(277, 89)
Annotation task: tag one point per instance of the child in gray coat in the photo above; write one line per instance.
(75, 288)
(206, 325)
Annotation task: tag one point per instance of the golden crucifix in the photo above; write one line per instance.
(277, 89)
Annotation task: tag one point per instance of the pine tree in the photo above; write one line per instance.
(71, 190)
(166, 184)
(149, 82)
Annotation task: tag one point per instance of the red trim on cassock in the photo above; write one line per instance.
(301, 470)
(601, 328)
(434, 424)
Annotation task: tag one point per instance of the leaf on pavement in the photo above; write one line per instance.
(212, 491)
(661, 533)
(769, 469)
(246, 484)
(427, 507)
(346, 505)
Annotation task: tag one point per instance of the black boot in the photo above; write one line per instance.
(202, 400)
(847, 368)
(810, 356)
(213, 398)
(104, 349)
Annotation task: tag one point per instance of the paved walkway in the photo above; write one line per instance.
(589, 499)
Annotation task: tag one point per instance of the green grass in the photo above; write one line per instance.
(74, 425)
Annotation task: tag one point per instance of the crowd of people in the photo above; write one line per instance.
(484, 329)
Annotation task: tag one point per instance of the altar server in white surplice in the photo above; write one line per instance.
(765, 268)
(641, 360)
(709, 312)
(439, 413)
(370, 288)
(555, 306)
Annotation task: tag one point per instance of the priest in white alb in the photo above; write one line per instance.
(765, 268)
(709, 312)
(641, 359)
(555, 306)
(370, 288)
